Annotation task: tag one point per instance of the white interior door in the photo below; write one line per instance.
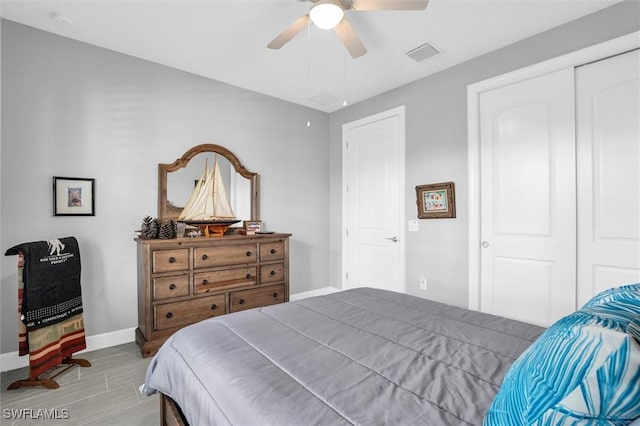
(608, 163)
(527, 173)
(373, 171)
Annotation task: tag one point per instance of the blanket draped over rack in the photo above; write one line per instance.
(51, 325)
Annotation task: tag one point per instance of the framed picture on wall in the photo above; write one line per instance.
(436, 200)
(73, 196)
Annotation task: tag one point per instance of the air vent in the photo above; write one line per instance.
(324, 98)
(422, 52)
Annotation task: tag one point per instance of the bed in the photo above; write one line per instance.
(373, 357)
(362, 356)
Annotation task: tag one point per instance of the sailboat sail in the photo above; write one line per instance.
(208, 201)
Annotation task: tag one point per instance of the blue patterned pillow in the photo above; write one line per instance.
(625, 293)
(615, 307)
(634, 329)
(577, 373)
(614, 315)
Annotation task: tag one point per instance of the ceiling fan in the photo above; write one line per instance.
(329, 14)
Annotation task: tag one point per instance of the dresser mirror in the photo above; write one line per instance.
(176, 181)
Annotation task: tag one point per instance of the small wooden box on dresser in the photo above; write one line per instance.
(185, 280)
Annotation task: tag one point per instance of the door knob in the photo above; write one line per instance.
(485, 244)
(394, 239)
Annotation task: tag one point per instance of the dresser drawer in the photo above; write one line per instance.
(206, 257)
(170, 260)
(271, 273)
(178, 314)
(167, 287)
(271, 251)
(207, 281)
(254, 298)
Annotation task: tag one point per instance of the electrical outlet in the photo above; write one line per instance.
(423, 283)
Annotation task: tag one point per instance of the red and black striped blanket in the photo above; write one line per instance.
(50, 325)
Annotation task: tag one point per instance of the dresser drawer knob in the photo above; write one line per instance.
(272, 273)
(248, 253)
(205, 257)
(248, 276)
(172, 286)
(241, 301)
(172, 259)
(275, 295)
(205, 282)
(214, 306)
(273, 251)
(169, 315)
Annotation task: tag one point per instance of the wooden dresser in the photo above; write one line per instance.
(185, 280)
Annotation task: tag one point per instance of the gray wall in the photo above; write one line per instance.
(72, 109)
(436, 145)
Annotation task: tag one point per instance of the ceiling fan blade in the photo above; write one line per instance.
(350, 39)
(390, 4)
(289, 32)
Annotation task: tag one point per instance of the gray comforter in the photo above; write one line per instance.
(362, 356)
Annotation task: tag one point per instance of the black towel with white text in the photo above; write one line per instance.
(52, 290)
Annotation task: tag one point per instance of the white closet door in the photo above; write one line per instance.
(608, 163)
(528, 232)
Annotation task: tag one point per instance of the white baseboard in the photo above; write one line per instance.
(312, 293)
(12, 361)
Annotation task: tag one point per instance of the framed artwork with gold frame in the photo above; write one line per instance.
(436, 200)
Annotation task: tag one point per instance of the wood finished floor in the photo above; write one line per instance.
(104, 394)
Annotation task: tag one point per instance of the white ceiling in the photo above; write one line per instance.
(226, 39)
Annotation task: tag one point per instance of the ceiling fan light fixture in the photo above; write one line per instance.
(326, 14)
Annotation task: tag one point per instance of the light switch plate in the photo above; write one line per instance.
(413, 225)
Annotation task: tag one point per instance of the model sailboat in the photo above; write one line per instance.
(208, 206)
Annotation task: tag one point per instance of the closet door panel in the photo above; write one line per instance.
(608, 163)
(527, 173)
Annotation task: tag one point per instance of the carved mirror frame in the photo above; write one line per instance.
(166, 210)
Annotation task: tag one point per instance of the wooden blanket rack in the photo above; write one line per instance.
(50, 345)
(48, 382)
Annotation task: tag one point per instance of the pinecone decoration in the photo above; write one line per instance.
(154, 230)
(167, 230)
(149, 229)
